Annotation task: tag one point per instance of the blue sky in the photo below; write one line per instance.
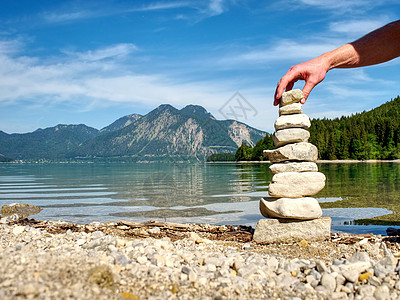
(91, 62)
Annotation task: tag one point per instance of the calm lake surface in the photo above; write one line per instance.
(226, 193)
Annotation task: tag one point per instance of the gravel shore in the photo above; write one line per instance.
(56, 260)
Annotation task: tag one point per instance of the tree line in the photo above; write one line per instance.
(373, 134)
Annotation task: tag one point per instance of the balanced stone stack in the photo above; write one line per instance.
(295, 215)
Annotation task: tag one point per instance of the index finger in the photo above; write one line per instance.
(281, 87)
(286, 82)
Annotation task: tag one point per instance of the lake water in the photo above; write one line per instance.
(226, 193)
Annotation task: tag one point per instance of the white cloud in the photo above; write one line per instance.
(359, 76)
(10, 46)
(284, 50)
(340, 5)
(162, 6)
(92, 77)
(60, 17)
(92, 82)
(358, 27)
(113, 51)
(216, 7)
(338, 91)
(22, 78)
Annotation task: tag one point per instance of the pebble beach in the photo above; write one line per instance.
(58, 260)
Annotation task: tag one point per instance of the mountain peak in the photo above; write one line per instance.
(165, 106)
(121, 123)
(197, 110)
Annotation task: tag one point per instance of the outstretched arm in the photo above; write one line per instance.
(376, 47)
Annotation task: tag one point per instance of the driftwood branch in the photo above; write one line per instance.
(168, 225)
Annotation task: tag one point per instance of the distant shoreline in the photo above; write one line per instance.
(320, 161)
(325, 161)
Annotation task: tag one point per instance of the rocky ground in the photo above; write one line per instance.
(56, 260)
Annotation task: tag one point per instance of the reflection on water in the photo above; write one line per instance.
(206, 193)
(88, 192)
(375, 181)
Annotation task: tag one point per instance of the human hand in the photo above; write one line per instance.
(312, 72)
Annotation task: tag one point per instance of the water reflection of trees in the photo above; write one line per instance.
(359, 184)
(364, 184)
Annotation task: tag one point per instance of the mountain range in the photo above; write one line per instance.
(165, 132)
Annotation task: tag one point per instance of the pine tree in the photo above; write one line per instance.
(241, 152)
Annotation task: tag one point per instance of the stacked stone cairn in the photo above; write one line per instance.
(294, 215)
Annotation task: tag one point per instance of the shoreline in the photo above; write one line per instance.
(319, 161)
(358, 161)
(158, 260)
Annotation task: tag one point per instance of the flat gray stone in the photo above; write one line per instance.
(295, 108)
(293, 167)
(292, 121)
(289, 231)
(21, 209)
(290, 208)
(328, 281)
(293, 152)
(290, 135)
(290, 97)
(296, 185)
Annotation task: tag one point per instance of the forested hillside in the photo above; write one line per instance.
(374, 134)
(50, 143)
(247, 153)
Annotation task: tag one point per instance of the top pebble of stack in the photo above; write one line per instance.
(290, 97)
